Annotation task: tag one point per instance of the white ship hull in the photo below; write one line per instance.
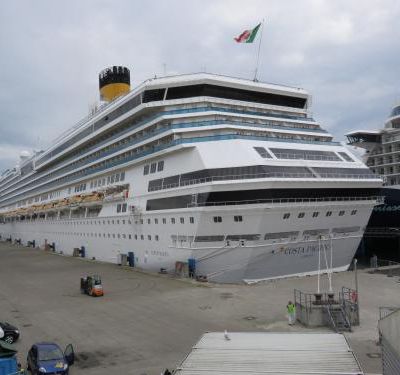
(226, 261)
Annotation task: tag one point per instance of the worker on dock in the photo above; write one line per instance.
(291, 311)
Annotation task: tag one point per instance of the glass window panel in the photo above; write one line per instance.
(263, 152)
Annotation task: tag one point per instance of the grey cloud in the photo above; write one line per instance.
(344, 53)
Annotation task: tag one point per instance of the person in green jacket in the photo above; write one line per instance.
(291, 311)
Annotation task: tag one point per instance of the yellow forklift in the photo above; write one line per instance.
(92, 286)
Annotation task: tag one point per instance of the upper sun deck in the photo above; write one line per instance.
(370, 138)
(393, 121)
(183, 87)
(224, 81)
(364, 138)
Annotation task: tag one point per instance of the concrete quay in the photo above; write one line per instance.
(148, 322)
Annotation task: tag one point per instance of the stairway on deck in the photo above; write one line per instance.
(337, 318)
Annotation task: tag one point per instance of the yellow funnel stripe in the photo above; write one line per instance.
(113, 90)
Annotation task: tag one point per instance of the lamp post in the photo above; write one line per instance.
(356, 285)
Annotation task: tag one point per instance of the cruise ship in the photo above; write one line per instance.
(382, 155)
(231, 178)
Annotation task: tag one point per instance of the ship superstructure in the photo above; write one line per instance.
(382, 155)
(233, 175)
(382, 147)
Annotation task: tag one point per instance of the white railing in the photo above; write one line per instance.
(285, 201)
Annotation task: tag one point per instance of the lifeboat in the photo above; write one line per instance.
(116, 193)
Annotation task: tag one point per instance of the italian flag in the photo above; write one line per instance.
(248, 36)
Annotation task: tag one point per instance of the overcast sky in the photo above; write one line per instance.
(345, 53)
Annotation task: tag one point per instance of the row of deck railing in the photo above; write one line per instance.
(203, 180)
(279, 201)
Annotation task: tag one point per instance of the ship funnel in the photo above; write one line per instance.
(114, 82)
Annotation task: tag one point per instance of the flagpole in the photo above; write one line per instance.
(258, 52)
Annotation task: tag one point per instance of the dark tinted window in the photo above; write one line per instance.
(218, 174)
(155, 184)
(332, 172)
(247, 237)
(345, 230)
(50, 353)
(236, 94)
(254, 197)
(288, 153)
(153, 95)
(160, 166)
(263, 152)
(395, 111)
(315, 232)
(345, 156)
(170, 181)
(169, 203)
(278, 235)
(208, 238)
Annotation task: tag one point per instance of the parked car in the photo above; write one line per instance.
(11, 333)
(47, 357)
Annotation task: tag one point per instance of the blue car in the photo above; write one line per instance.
(47, 357)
